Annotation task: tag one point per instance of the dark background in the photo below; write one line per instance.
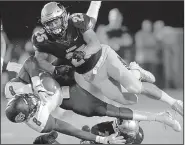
(20, 17)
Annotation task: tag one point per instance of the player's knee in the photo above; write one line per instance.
(135, 88)
(88, 112)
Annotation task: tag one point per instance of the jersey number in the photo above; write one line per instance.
(12, 90)
(36, 121)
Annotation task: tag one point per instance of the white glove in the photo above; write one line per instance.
(112, 139)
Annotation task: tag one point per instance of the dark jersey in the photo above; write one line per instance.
(106, 129)
(63, 48)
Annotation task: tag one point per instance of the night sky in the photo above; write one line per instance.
(20, 17)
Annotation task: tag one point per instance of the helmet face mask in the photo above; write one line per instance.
(22, 107)
(128, 128)
(54, 19)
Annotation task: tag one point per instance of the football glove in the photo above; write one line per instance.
(62, 70)
(78, 55)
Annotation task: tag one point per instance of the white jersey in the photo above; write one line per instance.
(39, 120)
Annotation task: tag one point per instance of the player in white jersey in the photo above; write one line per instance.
(35, 111)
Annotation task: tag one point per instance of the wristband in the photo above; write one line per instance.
(100, 139)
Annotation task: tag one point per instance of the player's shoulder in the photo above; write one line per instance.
(39, 36)
(79, 20)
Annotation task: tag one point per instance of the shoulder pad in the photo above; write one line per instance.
(40, 36)
(78, 19)
(81, 21)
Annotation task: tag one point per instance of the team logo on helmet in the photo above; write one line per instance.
(20, 117)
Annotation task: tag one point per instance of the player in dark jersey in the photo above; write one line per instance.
(129, 129)
(71, 38)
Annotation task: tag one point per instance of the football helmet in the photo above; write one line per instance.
(21, 107)
(130, 129)
(54, 18)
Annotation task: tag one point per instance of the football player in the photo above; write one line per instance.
(28, 78)
(35, 110)
(72, 38)
(129, 129)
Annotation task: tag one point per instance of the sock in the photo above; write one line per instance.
(143, 116)
(167, 99)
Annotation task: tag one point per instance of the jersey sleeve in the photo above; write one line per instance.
(40, 41)
(82, 22)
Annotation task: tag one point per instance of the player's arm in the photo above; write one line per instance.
(45, 65)
(66, 128)
(86, 25)
(93, 10)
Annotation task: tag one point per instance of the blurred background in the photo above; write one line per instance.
(148, 32)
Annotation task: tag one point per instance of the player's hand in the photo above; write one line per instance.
(115, 139)
(78, 55)
(62, 70)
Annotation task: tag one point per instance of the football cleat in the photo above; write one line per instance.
(145, 75)
(167, 119)
(178, 106)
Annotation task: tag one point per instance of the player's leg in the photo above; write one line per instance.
(83, 103)
(49, 138)
(107, 87)
(121, 74)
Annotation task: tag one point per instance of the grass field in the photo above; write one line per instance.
(155, 133)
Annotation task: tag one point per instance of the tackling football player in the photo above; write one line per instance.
(72, 38)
